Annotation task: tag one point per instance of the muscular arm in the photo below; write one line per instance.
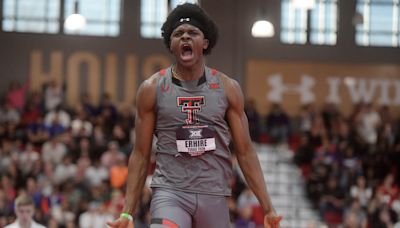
(140, 157)
(246, 154)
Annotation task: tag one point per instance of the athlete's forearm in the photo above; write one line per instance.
(253, 174)
(137, 173)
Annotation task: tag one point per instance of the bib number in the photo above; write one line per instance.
(195, 139)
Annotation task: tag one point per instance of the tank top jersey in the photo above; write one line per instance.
(192, 149)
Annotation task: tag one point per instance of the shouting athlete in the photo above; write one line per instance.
(195, 112)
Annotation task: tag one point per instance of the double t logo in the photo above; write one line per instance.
(191, 105)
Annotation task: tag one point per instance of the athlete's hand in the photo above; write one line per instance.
(121, 223)
(272, 221)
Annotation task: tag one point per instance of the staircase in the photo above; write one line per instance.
(286, 187)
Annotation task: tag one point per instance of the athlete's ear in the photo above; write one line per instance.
(205, 45)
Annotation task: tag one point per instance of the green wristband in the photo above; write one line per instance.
(127, 216)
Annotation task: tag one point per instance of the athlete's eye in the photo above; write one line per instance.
(177, 34)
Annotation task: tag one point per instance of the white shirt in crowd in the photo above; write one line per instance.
(53, 152)
(16, 225)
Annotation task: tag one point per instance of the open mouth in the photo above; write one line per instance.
(186, 51)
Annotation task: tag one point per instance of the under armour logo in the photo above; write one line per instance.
(195, 133)
(278, 88)
(184, 19)
(164, 87)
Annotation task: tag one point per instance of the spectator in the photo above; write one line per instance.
(28, 158)
(88, 218)
(332, 202)
(37, 132)
(9, 191)
(277, 124)
(83, 150)
(53, 151)
(96, 216)
(330, 115)
(53, 95)
(65, 171)
(383, 217)
(88, 107)
(247, 199)
(118, 174)
(389, 189)
(96, 174)
(306, 117)
(254, 119)
(8, 154)
(99, 140)
(112, 155)
(80, 126)
(30, 115)
(361, 191)
(108, 113)
(355, 216)
(244, 219)
(368, 123)
(121, 136)
(8, 114)
(16, 95)
(58, 115)
(24, 210)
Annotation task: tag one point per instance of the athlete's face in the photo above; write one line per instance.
(188, 43)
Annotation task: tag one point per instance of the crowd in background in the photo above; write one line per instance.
(72, 160)
(351, 163)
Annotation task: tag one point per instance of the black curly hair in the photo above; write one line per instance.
(200, 19)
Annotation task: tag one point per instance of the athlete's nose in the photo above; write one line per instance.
(185, 36)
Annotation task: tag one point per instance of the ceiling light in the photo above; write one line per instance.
(75, 21)
(262, 28)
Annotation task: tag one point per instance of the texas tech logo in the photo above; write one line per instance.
(191, 105)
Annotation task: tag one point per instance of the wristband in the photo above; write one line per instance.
(127, 216)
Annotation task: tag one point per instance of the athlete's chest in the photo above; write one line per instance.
(191, 107)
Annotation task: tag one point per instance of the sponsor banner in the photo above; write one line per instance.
(296, 83)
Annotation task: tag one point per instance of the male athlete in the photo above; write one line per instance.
(194, 112)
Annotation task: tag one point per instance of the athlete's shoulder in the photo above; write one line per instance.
(151, 82)
(233, 90)
(229, 83)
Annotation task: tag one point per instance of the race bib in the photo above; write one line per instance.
(195, 139)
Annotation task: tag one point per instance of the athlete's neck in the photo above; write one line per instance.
(187, 73)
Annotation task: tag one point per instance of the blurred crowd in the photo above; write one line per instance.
(351, 163)
(72, 160)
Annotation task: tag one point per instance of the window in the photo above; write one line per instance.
(102, 17)
(380, 23)
(317, 25)
(153, 14)
(43, 16)
(39, 16)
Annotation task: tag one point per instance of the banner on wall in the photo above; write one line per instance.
(85, 72)
(294, 84)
